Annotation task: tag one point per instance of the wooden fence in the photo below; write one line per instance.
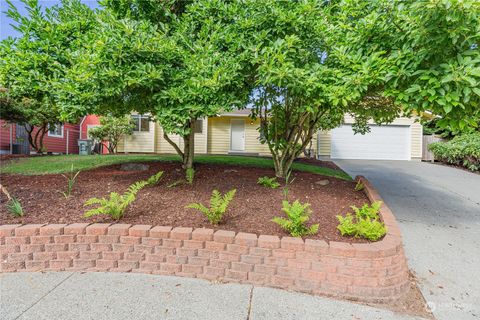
(427, 155)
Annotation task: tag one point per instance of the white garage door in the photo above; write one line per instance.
(381, 143)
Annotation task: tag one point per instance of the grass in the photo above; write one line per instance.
(61, 164)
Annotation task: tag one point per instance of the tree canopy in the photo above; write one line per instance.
(32, 66)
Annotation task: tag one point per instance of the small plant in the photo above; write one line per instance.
(116, 205)
(286, 189)
(175, 183)
(15, 208)
(71, 179)
(366, 222)
(298, 214)
(218, 206)
(13, 205)
(359, 186)
(268, 182)
(189, 175)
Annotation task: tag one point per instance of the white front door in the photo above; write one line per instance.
(237, 135)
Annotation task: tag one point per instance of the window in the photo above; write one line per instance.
(142, 123)
(56, 130)
(199, 126)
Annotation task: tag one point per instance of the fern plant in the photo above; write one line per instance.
(268, 182)
(116, 204)
(71, 179)
(218, 206)
(366, 222)
(297, 216)
(359, 186)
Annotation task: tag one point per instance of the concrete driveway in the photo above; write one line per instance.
(438, 209)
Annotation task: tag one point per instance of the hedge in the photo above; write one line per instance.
(462, 150)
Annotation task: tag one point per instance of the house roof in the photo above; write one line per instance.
(238, 113)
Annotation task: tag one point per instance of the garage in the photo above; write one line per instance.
(391, 142)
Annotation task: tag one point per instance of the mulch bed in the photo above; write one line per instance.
(251, 211)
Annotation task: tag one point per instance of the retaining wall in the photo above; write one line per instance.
(367, 271)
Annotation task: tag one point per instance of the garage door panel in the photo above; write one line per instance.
(381, 143)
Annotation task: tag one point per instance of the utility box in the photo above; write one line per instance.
(85, 146)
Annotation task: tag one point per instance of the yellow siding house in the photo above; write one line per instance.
(236, 133)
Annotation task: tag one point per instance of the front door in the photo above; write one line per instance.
(237, 135)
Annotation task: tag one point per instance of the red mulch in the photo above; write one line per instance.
(251, 210)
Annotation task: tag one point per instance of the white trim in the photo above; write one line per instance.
(56, 135)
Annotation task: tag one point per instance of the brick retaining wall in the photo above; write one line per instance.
(367, 271)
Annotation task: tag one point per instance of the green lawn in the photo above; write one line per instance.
(60, 164)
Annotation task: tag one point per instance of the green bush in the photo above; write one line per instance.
(366, 222)
(268, 182)
(462, 150)
(297, 215)
(116, 205)
(218, 206)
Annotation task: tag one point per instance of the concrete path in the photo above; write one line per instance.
(438, 209)
(130, 296)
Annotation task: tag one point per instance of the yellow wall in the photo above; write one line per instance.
(153, 141)
(219, 136)
(143, 142)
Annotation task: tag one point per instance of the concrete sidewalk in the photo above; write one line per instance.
(66, 295)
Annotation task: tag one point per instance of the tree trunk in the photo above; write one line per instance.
(36, 140)
(187, 154)
(189, 147)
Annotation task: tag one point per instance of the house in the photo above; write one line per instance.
(60, 138)
(236, 133)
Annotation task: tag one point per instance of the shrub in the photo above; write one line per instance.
(366, 222)
(71, 179)
(218, 206)
(463, 150)
(15, 208)
(189, 175)
(268, 182)
(116, 205)
(297, 215)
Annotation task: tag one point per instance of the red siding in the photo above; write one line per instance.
(5, 134)
(89, 120)
(59, 144)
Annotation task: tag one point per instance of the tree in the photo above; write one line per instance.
(432, 51)
(112, 129)
(32, 65)
(304, 79)
(175, 70)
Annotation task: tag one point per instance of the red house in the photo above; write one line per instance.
(61, 138)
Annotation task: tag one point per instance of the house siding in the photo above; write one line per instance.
(219, 136)
(142, 142)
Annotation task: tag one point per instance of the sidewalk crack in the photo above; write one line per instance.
(46, 294)
(250, 304)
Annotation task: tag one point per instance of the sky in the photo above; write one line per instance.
(7, 30)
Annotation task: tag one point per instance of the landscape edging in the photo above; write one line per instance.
(370, 272)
